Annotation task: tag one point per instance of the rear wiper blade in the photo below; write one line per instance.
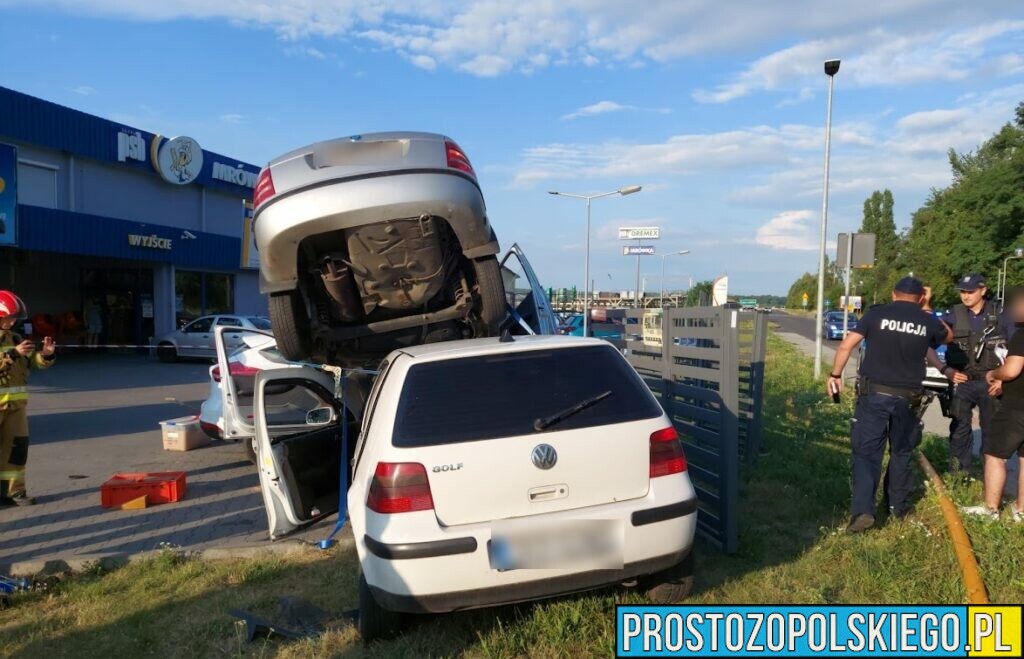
(546, 422)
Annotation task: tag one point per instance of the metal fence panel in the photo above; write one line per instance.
(705, 365)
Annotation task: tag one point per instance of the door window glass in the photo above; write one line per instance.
(299, 403)
(200, 326)
(519, 293)
(228, 321)
(510, 392)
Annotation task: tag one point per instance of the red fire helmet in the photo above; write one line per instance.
(11, 306)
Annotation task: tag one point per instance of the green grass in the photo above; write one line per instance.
(792, 550)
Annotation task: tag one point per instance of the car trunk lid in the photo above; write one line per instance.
(500, 478)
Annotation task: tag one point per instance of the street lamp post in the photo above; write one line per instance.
(831, 69)
(630, 189)
(663, 257)
(1001, 282)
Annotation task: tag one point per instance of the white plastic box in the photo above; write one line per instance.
(183, 434)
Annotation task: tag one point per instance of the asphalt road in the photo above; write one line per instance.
(793, 324)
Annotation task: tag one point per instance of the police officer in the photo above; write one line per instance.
(889, 394)
(978, 330)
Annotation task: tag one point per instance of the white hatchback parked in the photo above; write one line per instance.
(495, 471)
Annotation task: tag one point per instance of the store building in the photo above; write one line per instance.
(102, 219)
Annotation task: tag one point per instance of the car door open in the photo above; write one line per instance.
(299, 446)
(529, 308)
(236, 400)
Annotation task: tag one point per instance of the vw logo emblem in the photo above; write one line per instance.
(544, 456)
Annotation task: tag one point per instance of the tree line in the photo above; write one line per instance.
(971, 225)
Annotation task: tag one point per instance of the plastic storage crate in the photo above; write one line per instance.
(157, 487)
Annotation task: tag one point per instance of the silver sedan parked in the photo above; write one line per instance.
(196, 339)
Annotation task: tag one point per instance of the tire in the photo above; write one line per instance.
(374, 620)
(670, 586)
(491, 291)
(167, 353)
(290, 323)
(250, 450)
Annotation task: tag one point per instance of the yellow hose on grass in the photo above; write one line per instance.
(973, 583)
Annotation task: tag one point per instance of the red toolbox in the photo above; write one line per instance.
(156, 486)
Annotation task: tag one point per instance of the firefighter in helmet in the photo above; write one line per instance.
(17, 356)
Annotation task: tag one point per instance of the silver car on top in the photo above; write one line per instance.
(373, 242)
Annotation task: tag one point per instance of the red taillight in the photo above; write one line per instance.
(399, 487)
(264, 188)
(666, 453)
(237, 369)
(457, 158)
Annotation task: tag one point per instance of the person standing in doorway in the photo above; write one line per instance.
(17, 357)
(93, 323)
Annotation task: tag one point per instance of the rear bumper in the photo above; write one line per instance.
(524, 591)
(351, 202)
(411, 577)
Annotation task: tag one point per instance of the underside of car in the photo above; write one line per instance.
(364, 291)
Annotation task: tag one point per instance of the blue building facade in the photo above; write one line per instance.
(142, 230)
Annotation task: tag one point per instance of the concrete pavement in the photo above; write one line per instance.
(93, 416)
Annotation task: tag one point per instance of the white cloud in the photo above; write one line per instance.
(491, 37)
(601, 107)
(83, 90)
(604, 107)
(877, 57)
(305, 51)
(685, 154)
(232, 118)
(790, 230)
(487, 66)
(425, 62)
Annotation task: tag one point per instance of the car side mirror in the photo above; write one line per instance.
(319, 416)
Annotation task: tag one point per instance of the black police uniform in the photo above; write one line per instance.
(972, 333)
(898, 335)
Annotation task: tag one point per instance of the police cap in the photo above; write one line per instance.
(971, 282)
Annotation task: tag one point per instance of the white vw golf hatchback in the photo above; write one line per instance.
(491, 471)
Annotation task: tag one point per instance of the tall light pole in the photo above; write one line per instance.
(663, 257)
(629, 189)
(1001, 282)
(831, 69)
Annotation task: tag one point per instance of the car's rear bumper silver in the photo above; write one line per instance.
(335, 204)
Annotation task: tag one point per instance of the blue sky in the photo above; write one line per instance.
(716, 108)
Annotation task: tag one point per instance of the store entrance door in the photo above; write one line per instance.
(124, 298)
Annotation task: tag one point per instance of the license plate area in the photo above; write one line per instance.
(584, 544)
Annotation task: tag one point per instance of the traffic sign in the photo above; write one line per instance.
(638, 233)
(638, 250)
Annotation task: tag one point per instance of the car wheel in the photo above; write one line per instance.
(167, 353)
(374, 620)
(491, 292)
(672, 585)
(290, 321)
(250, 449)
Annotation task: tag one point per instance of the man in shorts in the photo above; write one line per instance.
(1006, 433)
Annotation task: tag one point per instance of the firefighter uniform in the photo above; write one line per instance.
(977, 338)
(14, 371)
